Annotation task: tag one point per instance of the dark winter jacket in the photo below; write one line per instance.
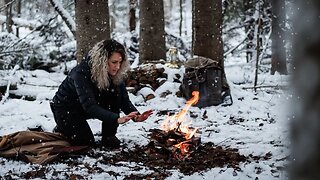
(79, 94)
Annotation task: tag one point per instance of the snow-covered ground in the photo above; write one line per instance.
(257, 123)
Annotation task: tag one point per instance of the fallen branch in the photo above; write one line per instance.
(64, 15)
(234, 48)
(15, 51)
(6, 5)
(6, 95)
(40, 85)
(267, 86)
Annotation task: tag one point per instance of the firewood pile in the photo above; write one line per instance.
(144, 80)
(173, 143)
(146, 76)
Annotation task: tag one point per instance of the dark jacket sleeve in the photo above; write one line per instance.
(85, 91)
(126, 105)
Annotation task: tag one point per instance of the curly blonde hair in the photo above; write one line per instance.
(99, 55)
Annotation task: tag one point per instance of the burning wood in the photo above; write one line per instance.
(177, 136)
(173, 142)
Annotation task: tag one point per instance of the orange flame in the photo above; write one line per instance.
(179, 121)
(184, 147)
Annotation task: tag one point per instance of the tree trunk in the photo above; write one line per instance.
(152, 36)
(249, 27)
(92, 24)
(19, 15)
(9, 21)
(181, 18)
(207, 32)
(132, 14)
(258, 50)
(207, 29)
(305, 130)
(278, 59)
(112, 15)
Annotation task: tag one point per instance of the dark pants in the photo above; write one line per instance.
(74, 126)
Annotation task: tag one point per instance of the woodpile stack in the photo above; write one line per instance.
(145, 80)
(146, 76)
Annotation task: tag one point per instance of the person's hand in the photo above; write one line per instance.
(142, 117)
(127, 118)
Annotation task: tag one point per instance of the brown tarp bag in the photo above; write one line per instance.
(37, 147)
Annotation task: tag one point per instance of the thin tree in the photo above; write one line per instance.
(249, 27)
(132, 14)
(92, 24)
(9, 22)
(278, 58)
(112, 14)
(181, 17)
(152, 36)
(19, 15)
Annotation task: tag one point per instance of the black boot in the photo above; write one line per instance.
(111, 142)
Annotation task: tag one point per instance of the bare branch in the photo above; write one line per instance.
(6, 95)
(65, 16)
(267, 86)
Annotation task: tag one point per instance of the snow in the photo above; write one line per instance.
(257, 123)
(263, 128)
(61, 9)
(21, 22)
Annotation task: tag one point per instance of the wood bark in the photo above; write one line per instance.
(132, 15)
(258, 49)
(19, 15)
(207, 29)
(278, 59)
(9, 21)
(152, 36)
(181, 17)
(249, 27)
(92, 24)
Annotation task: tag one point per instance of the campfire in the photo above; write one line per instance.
(177, 136)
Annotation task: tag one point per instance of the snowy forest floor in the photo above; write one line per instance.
(256, 125)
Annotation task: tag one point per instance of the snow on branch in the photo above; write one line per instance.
(32, 24)
(64, 15)
(6, 95)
